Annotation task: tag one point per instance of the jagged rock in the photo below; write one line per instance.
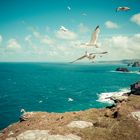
(135, 88)
(136, 64)
(118, 99)
(122, 69)
(136, 115)
(80, 124)
(43, 135)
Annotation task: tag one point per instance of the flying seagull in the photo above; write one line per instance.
(94, 37)
(69, 8)
(122, 9)
(90, 56)
(63, 28)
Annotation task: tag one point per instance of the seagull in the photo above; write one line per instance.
(63, 28)
(122, 9)
(70, 99)
(69, 8)
(25, 115)
(22, 111)
(94, 37)
(90, 56)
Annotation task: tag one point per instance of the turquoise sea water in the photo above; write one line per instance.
(56, 87)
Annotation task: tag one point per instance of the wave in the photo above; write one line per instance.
(105, 97)
(134, 72)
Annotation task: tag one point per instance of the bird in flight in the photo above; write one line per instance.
(69, 8)
(122, 9)
(90, 56)
(94, 38)
(63, 28)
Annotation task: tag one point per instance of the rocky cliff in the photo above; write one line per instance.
(120, 121)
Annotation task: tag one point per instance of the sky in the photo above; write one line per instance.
(30, 29)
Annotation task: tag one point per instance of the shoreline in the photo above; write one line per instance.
(119, 121)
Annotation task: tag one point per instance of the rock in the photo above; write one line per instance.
(135, 88)
(10, 133)
(122, 69)
(136, 115)
(118, 99)
(136, 64)
(11, 138)
(79, 124)
(43, 135)
(108, 113)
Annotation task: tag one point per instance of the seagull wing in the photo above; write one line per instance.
(99, 53)
(94, 36)
(80, 58)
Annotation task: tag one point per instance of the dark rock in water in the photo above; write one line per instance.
(135, 88)
(122, 69)
(136, 64)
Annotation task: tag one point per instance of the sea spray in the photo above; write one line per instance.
(105, 97)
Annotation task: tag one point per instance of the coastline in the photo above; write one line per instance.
(110, 123)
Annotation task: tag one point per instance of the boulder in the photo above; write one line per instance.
(135, 88)
(43, 135)
(80, 124)
(118, 99)
(122, 69)
(136, 115)
(136, 64)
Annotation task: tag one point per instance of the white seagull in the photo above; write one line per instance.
(90, 56)
(94, 38)
(69, 8)
(122, 9)
(63, 28)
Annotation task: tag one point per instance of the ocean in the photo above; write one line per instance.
(58, 87)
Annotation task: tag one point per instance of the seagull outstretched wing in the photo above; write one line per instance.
(80, 58)
(99, 53)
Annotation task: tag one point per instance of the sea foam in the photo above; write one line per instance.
(105, 97)
(130, 72)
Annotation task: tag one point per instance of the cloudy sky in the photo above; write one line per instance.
(30, 29)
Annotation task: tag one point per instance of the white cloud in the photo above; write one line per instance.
(28, 39)
(66, 35)
(44, 39)
(136, 19)
(82, 28)
(122, 47)
(111, 25)
(13, 45)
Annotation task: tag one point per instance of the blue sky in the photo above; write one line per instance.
(30, 29)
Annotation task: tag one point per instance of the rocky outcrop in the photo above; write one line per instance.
(135, 88)
(118, 122)
(42, 135)
(136, 64)
(122, 69)
(119, 99)
(136, 115)
(80, 124)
